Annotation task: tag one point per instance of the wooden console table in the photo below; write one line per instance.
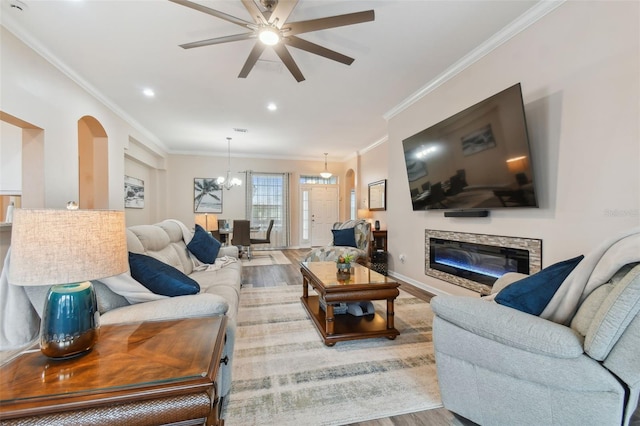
(145, 373)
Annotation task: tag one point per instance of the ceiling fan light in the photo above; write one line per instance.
(269, 36)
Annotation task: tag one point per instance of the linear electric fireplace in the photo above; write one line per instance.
(476, 261)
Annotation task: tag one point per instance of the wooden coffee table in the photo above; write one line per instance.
(362, 284)
(156, 372)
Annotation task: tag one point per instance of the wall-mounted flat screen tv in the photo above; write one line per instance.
(478, 158)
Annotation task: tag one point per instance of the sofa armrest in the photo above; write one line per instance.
(231, 251)
(196, 305)
(509, 326)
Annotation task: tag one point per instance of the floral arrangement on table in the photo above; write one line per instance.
(344, 263)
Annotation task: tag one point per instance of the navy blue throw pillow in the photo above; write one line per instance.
(532, 294)
(344, 237)
(204, 246)
(159, 277)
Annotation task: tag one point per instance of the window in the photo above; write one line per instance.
(267, 199)
(353, 211)
(305, 215)
(318, 180)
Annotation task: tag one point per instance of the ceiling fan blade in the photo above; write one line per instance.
(251, 60)
(299, 43)
(288, 61)
(254, 11)
(329, 22)
(218, 40)
(282, 11)
(212, 12)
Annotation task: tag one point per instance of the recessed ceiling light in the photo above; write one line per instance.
(149, 93)
(272, 106)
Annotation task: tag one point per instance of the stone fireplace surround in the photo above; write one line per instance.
(533, 246)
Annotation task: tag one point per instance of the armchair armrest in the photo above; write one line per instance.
(509, 326)
(203, 304)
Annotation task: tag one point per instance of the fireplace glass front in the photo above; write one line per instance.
(476, 262)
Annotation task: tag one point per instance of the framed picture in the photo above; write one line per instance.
(378, 195)
(478, 140)
(133, 193)
(207, 196)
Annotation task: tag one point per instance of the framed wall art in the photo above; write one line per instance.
(133, 193)
(207, 196)
(378, 195)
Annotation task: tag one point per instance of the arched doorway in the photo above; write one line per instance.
(93, 164)
(350, 190)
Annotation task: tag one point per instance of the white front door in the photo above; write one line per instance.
(324, 213)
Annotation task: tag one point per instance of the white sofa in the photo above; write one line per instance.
(219, 289)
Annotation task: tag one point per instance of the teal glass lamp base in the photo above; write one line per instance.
(70, 321)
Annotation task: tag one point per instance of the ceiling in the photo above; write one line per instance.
(117, 48)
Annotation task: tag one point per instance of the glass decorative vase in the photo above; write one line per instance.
(344, 268)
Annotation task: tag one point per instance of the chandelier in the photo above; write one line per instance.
(228, 182)
(326, 174)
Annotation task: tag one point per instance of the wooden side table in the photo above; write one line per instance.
(145, 373)
(378, 255)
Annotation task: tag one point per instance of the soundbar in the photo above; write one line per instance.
(467, 213)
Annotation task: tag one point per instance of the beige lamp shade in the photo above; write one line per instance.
(209, 222)
(67, 246)
(364, 214)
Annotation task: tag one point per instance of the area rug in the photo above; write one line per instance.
(266, 258)
(284, 375)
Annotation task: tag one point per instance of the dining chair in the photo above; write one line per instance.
(242, 236)
(267, 238)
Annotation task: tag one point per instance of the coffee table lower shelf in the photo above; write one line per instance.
(347, 327)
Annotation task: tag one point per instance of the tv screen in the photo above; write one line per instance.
(478, 158)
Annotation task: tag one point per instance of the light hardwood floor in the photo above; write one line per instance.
(270, 276)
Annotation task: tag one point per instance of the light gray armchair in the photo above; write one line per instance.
(499, 366)
(359, 250)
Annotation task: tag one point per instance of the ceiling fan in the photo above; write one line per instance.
(271, 28)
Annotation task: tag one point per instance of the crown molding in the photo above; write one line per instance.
(514, 28)
(380, 141)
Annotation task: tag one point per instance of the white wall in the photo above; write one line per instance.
(182, 169)
(35, 91)
(579, 69)
(374, 166)
(10, 159)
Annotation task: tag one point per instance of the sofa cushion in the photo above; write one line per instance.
(344, 237)
(204, 246)
(532, 294)
(159, 277)
(614, 315)
(362, 230)
(587, 311)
